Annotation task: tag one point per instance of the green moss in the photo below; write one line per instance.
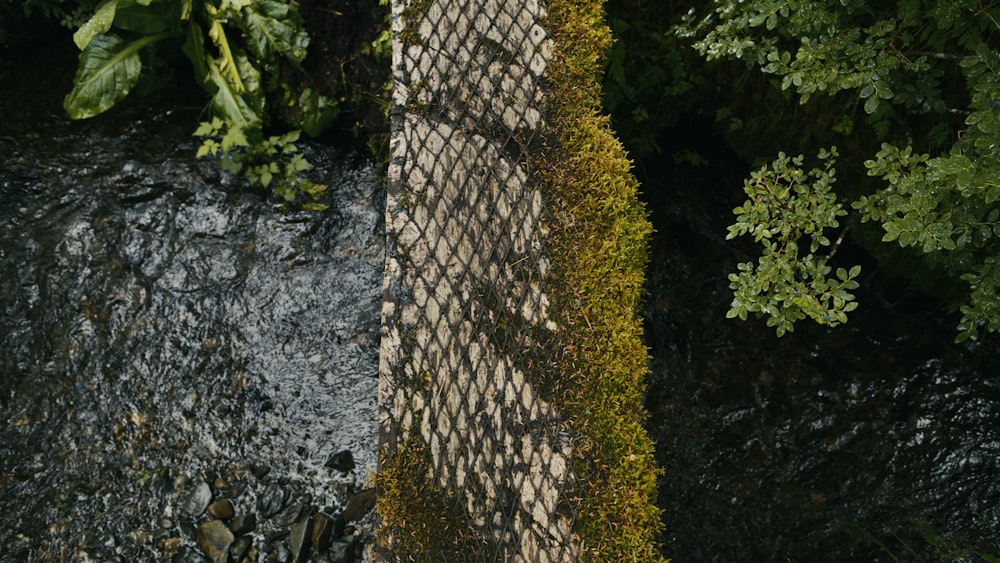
(598, 244)
(415, 509)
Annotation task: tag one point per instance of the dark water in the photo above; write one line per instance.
(162, 325)
(825, 445)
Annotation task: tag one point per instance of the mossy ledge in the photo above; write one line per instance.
(598, 240)
(594, 367)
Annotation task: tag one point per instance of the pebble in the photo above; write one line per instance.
(221, 510)
(186, 555)
(198, 500)
(359, 505)
(165, 523)
(170, 546)
(214, 539)
(341, 552)
(271, 501)
(240, 548)
(281, 554)
(290, 515)
(322, 531)
(243, 524)
(299, 539)
(341, 461)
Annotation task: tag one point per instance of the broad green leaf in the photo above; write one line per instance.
(194, 48)
(314, 190)
(204, 128)
(318, 112)
(270, 35)
(229, 103)
(234, 138)
(147, 19)
(871, 104)
(208, 147)
(99, 23)
(227, 67)
(109, 68)
(251, 79)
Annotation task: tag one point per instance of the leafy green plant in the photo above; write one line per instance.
(69, 13)
(236, 48)
(893, 60)
(274, 162)
(788, 210)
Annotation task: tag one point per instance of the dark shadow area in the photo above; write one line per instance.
(844, 444)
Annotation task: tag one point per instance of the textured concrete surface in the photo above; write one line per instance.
(464, 290)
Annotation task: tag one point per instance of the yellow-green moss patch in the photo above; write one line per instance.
(598, 243)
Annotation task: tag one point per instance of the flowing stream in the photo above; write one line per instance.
(167, 333)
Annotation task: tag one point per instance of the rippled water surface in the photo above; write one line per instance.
(162, 325)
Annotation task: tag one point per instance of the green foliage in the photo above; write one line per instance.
(109, 69)
(789, 210)
(274, 162)
(898, 62)
(237, 48)
(644, 68)
(69, 13)
(382, 45)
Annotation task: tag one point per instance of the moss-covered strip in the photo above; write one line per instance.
(598, 242)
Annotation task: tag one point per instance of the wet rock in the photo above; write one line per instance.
(260, 471)
(214, 539)
(187, 555)
(240, 548)
(299, 539)
(165, 523)
(123, 259)
(164, 528)
(322, 531)
(341, 551)
(188, 528)
(198, 500)
(243, 524)
(341, 461)
(170, 546)
(272, 501)
(140, 537)
(221, 510)
(289, 515)
(359, 505)
(281, 554)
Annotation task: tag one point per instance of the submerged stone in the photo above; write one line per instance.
(198, 500)
(214, 539)
(341, 461)
(243, 524)
(221, 509)
(299, 539)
